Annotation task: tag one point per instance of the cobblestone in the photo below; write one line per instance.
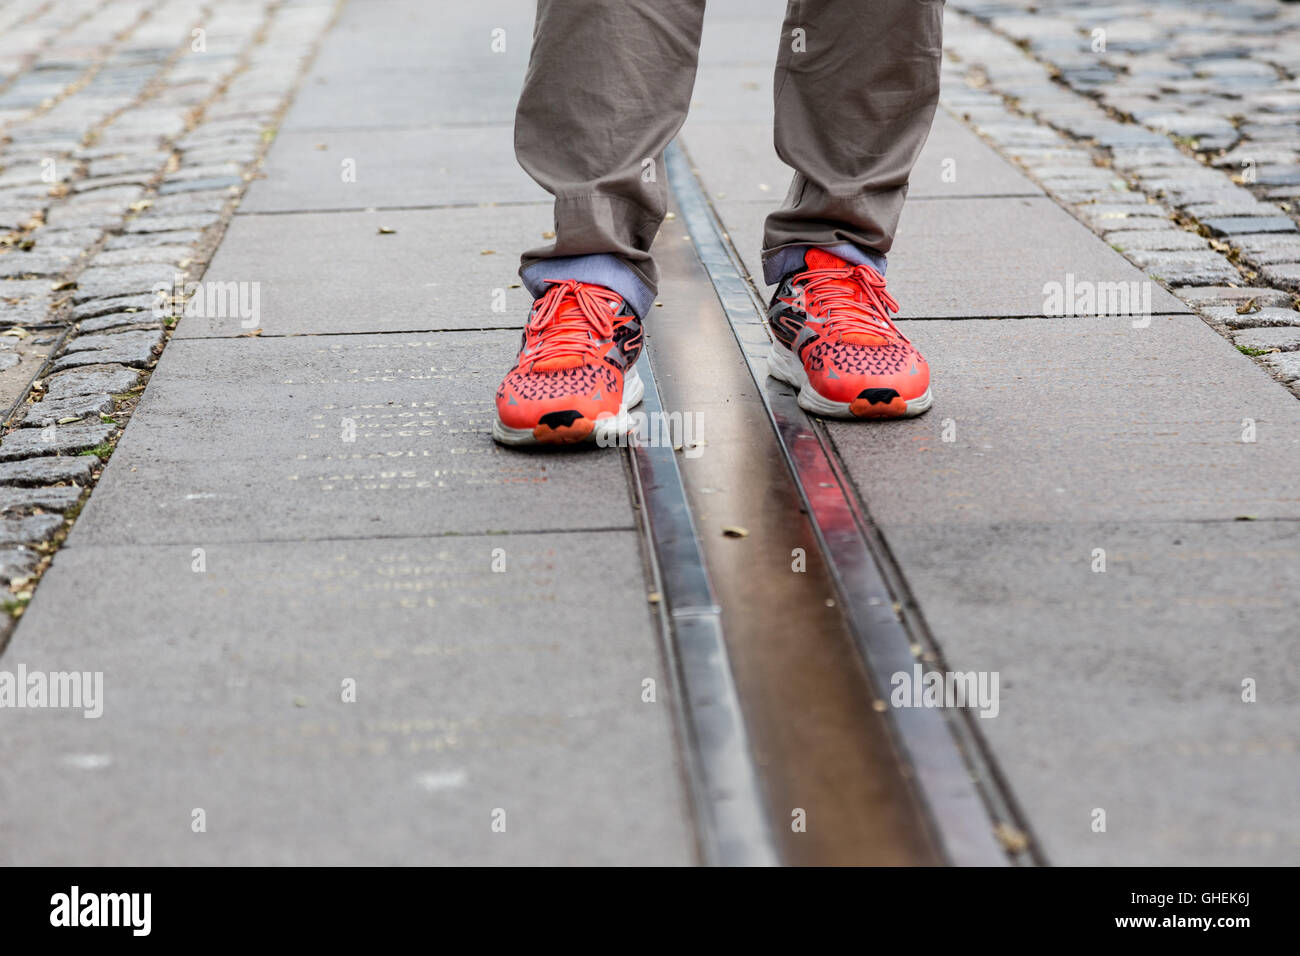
(58, 498)
(117, 320)
(100, 282)
(1285, 365)
(31, 472)
(66, 440)
(1282, 273)
(1242, 225)
(52, 411)
(113, 340)
(1287, 338)
(1185, 268)
(1171, 240)
(1263, 317)
(111, 379)
(16, 563)
(1218, 295)
(29, 528)
(128, 352)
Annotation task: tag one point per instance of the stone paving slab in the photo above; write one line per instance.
(1082, 420)
(223, 690)
(394, 168)
(387, 65)
(944, 264)
(246, 440)
(1122, 690)
(430, 272)
(745, 160)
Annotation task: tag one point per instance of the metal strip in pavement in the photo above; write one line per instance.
(729, 809)
(959, 815)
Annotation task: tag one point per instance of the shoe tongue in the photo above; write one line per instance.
(816, 258)
(863, 338)
(555, 364)
(573, 318)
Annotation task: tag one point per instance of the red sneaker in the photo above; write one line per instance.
(835, 343)
(575, 377)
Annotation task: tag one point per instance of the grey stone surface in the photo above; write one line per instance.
(1234, 225)
(1286, 338)
(1114, 697)
(132, 352)
(943, 266)
(1283, 274)
(458, 710)
(92, 381)
(57, 498)
(1157, 438)
(167, 255)
(186, 223)
(1128, 440)
(17, 563)
(119, 320)
(394, 168)
(1187, 268)
(105, 283)
(1212, 296)
(29, 529)
(1259, 317)
(184, 237)
(1164, 240)
(66, 440)
(174, 187)
(112, 340)
(422, 461)
(54, 410)
(122, 303)
(1286, 365)
(42, 471)
(431, 272)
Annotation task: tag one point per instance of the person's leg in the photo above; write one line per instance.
(857, 84)
(608, 86)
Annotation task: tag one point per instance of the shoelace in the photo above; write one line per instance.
(565, 318)
(853, 300)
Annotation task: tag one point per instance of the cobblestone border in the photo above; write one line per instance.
(1188, 225)
(141, 199)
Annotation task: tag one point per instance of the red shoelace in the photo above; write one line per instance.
(565, 320)
(851, 301)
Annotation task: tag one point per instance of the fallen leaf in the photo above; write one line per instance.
(487, 252)
(386, 231)
(654, 597)
(1011, 838)
(249, 335)
(548, 234)
(62, 286)
(733, 531)
(1246, 307)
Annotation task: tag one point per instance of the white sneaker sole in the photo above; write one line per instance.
(605, 431)
(784, 366)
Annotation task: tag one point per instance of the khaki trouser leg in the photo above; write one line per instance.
(857, 84)
(607, 88)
